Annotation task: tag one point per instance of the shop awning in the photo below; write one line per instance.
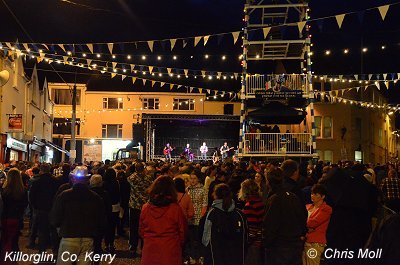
(276, 112)
(52, 145)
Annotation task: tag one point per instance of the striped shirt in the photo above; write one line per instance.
(254, 210)
(390, 188)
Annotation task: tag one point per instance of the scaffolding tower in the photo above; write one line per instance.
(273, 18)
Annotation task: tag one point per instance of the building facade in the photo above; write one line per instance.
(26, 114)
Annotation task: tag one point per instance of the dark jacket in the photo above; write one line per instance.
(285, 221)
(294, 187)
(63, 178)
(42, 192)
(106, 198)
(79, 212)
(13, 208)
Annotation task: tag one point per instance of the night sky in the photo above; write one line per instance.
(83, 21)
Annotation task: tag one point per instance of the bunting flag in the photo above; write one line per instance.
(384, 76)
(383, 11)
(186, 71)
(236, 75)
(184, 43)
(62, 47)
(173, 41)
(357, 88)
(25, 46)
(151, 44)
(133, 79)
(200, 90)
(110, 47)
(340, 77)
(9, 45)
(152, 83)
(206, 39)
(162, 84)
(114, 65)
(208, 91)
(378, 85)
(369, 76)
(235, 36)
(132, 67)
(171, 86)
(300, 25)
(203, 73)
(339, 19)
(89, 61)
(356, 77)
(113, 75)
(266, 31)
(169, 70)
(45, 46)
(190, 89)
(90, 47)
(386, 84)
(219, 74)
(196, 40)
(144, 82)
(150, 69)
(41, 55)
(365, 88)
(123, 77)
(65, 58)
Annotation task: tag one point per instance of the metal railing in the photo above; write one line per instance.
(261, 82)
(277, 143)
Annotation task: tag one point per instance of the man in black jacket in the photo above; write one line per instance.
(79, 215)
(284, 225)
(291, 176)
(41, 197)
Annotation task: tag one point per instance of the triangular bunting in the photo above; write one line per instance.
(184, 43)
(110, 47)
(9, 45)
(206, 39)
(387, 84)
(123, 77)
(365, 88)
(340, 77)
(235, 36)
(266, 31)
(186, 71)
(196, 40)
(144, 82)
(383, 11)
(171, 86)
(113, 75)
(356, 77)
(173, 41)
(357, 88)
(152, 83)
(133, 80)
(132, 67)
(384, 76)
(369, 76)
(169, 70)
(300, 25)
(378, 85)
(26, 46)
(219, 74)
(151, 69)
(89, 61)
(45, 46)
(236, 75)
(162, 84)
(208, 91)
(200, 90)
(62, 47)
(114, 64)
(191, 89)
(151, 44)
(90, 47)
(65, 58)
(339, 19)
(203, 73)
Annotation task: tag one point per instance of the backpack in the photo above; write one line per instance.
(228, 225)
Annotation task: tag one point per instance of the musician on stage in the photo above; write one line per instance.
(224, 150)
(203, 151)
(167, 152)
(188, 153)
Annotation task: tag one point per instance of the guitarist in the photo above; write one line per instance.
(167, 152)
(224, 150)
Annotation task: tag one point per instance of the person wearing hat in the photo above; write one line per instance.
(79, 215)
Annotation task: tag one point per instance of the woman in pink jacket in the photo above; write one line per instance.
(184, 199)
(319, 214)
(162, 225)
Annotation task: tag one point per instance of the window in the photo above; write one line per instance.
(183, 104)
(113, 103)
(328, 156)
(63, 96)
(358, 156)
(151, 103)
(327, 127)
(380, 136)
(112, 130)
(63, 126)
(317, 120)
(33, 124)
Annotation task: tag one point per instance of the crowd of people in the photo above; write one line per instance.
(255, 213)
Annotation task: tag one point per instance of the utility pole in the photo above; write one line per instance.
(73, 122)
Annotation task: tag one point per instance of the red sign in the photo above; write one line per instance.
(15, 122)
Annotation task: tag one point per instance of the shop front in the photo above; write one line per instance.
(16, 150)
(36, 151)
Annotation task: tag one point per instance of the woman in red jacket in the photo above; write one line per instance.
(319, 214)
(162, 225)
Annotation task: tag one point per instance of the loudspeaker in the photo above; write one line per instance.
(4, 77)
(138, 134)
(228, 109)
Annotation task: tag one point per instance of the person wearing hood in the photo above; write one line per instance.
(225, 230)
(162, 225)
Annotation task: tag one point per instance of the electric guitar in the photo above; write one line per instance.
(224, 151)
(168, 150)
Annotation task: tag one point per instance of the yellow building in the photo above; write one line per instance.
(105, 119)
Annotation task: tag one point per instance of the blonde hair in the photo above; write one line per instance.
(248, 188)
(14, 185)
